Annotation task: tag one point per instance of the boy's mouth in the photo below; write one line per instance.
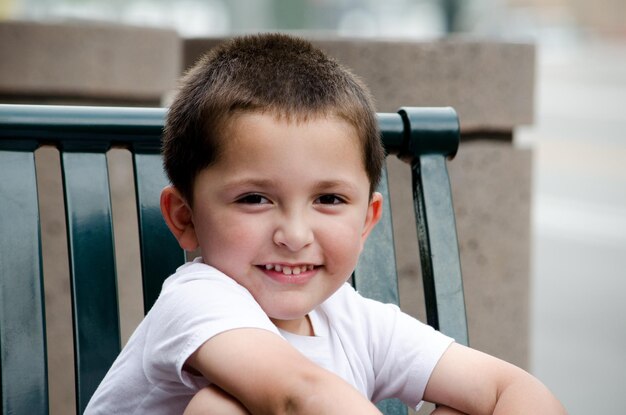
(289, 269)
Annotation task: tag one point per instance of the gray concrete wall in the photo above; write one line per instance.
(87, 63)
(490, 84)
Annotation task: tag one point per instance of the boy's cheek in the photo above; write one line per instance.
(224, 236)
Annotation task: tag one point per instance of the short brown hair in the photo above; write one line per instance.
(276, 73)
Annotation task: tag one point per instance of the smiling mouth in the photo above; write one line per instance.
(289, 269)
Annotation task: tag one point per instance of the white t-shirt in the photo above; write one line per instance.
(375, 347)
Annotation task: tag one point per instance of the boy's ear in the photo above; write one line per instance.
(374, 213)
(177, 215)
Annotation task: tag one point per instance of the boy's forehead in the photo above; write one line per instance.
(258, 131)
(268, 122)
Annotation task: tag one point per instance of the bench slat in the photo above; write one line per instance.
(92, 269)
(375, 275)
(24, 375)
(160, 253)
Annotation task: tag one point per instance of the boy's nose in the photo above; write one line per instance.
(293, 233)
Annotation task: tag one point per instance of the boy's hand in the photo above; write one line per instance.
(268, 376)
(476, 383)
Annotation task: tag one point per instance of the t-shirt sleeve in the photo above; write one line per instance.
(404, 351)
(188, 313)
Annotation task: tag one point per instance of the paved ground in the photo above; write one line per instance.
(578, 322)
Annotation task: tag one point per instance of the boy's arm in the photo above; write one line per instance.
(268, 376)
(214, 401)
(476, 383)
(211, 400)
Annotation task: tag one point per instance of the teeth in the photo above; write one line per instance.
(287, 270)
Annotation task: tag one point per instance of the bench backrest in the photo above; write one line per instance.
(425, 137)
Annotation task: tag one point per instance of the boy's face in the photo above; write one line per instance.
(285, 211)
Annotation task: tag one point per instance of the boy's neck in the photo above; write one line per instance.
(301, 326)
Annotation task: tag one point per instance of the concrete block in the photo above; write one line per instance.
(491, 187)
(490, 84)
(93, 63)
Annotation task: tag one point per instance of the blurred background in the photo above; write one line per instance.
(576, 139)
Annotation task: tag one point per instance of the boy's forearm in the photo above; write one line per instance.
(478, 384)
(268, 376)
(312, 391)
(213, 401)
(328, 395)
(527, 395)
(523, 394)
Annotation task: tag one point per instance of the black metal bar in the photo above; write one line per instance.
(433, 136)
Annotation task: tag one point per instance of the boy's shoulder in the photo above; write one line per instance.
(347, 308)
(349, 312)
(348, 296)
(195, 270)
(197, 289)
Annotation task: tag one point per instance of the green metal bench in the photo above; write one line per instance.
(425, 137)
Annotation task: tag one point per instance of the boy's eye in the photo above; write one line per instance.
(253, 199)
(330, 199)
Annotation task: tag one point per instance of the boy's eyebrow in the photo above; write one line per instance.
(321, 185)
(250, 181)
(334, 184)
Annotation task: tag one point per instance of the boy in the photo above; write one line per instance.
(273, 153)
